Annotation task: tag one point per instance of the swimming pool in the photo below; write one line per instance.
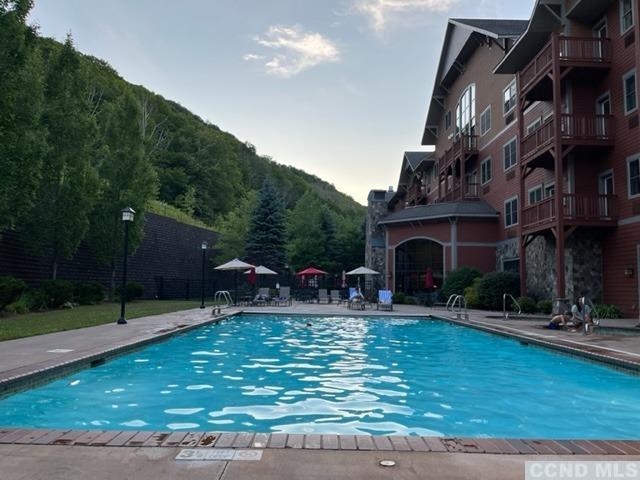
(344, 375)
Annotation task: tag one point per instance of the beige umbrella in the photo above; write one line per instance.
(362, 271)
(236, 265)
(261, 270)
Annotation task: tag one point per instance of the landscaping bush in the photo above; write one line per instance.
(399, 298)
(56, 293)
(20, 306)
(88, 293)
(527, 305)
(471, 294)
(134, 291)
(493, 285)
(545, 306)
(10, 290)
(458, 280)
(607, 311)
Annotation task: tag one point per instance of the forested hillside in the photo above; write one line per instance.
(78, 143)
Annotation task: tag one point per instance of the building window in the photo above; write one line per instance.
(626, 15)
(485, 120)
(485, 171)
(633, 168)
(510, 154)
(511, 265)
(534, 126)
(447, 120)
(511, 212)
(630, 92)
(549, 190)
(509, 98)
(466, 112)
(535, 195)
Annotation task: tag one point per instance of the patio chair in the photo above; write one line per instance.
(385, 300)
(262, 298)
(322, 295)
(335, 297)
(284, 297)
(356, 300)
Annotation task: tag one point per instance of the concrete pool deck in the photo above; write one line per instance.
(31, 453)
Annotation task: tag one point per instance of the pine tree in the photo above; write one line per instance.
(266, 238)
(59, 219)
(306, 239)
(330, 262)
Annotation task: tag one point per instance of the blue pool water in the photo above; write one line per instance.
(340, 375)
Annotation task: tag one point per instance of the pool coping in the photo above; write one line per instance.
(32, 375)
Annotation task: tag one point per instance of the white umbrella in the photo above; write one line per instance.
(362, 271)
(236, 264)
(262, 270)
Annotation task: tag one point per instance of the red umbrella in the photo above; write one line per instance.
(428, 279)
(311, 271)
(252, 276)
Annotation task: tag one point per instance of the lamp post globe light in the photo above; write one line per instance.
(204, 260)
(127, 217)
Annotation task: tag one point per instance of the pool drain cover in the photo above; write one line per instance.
(387, 463)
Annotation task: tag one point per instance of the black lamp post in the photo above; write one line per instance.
(127, 217)
(204, 259)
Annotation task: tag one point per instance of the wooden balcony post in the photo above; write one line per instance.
(559, 159)
(522, 249)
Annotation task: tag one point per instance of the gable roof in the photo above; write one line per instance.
(436, 211)
(413, 162)
(462, 38)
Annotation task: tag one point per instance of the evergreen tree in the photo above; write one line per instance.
(306, 238)
(330, 252)
(266, 237)
(127, 179)
(22, 136)
(233, 229)
(60, 216)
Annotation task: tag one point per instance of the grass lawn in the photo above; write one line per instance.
(27, 325)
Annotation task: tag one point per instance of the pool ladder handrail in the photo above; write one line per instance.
(505, 314)
(218, 299)
(595, 318)
(459, 301)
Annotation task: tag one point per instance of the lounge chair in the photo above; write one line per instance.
(262, 298)
(335, 296)
(284, 297)
(356, 300)
(322, 295)
(385, 300)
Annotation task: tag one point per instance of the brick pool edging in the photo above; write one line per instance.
(186, 439)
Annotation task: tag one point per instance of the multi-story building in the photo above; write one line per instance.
(536, 165)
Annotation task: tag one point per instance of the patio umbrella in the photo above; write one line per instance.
(428, 279)
(259, 270)
(344, 279)
(309, 271)
(362, 271)
(236, 265)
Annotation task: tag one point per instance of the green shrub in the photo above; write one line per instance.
(88, 293)
(493, 285)
(399, 298)
(527, 305)
(471, 294)
(410, 301)
(56, 293)
(607, 311)
(10, 290)
(545, 306)
(458, 280)
(134, 291)
(20, 306)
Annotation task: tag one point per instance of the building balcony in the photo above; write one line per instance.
(578, 210)
(580, 52)
(578, 130)
(471, 191)
(463, 146)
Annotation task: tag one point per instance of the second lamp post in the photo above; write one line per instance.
(127, 217)
(204, 260)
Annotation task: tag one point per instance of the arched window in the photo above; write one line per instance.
(412, 259)
(466, 112)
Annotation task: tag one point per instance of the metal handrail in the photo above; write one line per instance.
(220, 297)
(460, 302)
(595, 319)
(505, 314)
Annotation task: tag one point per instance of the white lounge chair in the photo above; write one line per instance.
(385, 300)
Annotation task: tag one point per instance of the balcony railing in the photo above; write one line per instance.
(574, 129)
(594, 209)
(471, 191)
(463, 145)
(580, 51)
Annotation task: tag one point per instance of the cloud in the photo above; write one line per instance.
(294, 50)
(382, 12)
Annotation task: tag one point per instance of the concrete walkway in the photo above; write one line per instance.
(70, 463)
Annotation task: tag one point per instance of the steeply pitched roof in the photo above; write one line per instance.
(435, 211)
(415, 159)
(462, 38)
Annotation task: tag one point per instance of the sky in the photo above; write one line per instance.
(338, 88)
